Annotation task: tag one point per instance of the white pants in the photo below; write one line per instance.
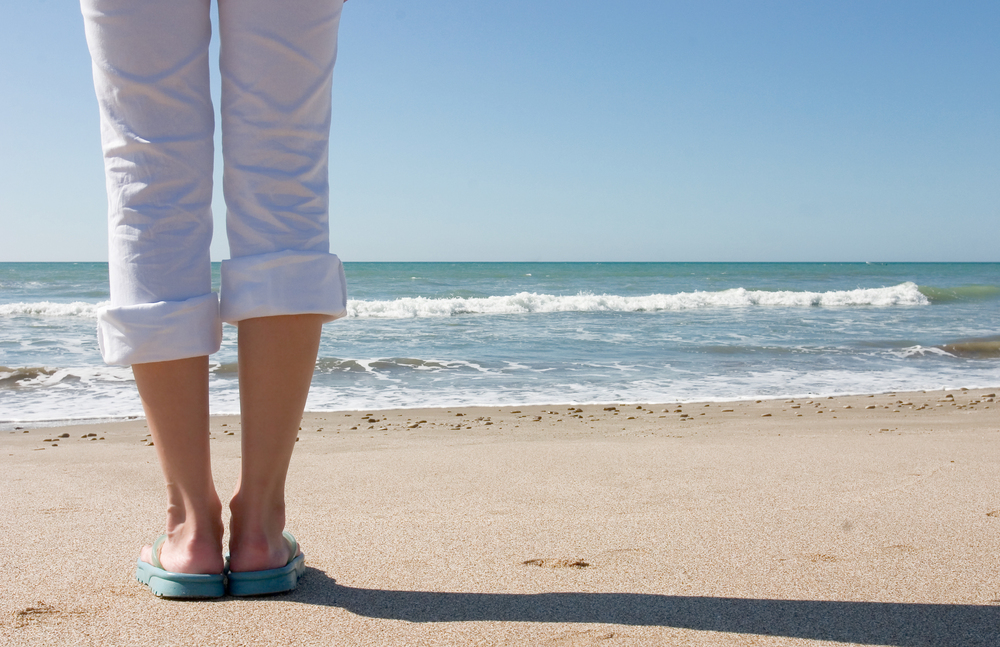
(151, 74)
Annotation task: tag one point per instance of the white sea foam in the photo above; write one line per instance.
(921, 351)
(34, 377)
(904, 294)
(51, 309)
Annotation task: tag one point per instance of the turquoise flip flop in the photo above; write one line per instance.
(165, 584)
(275, 580)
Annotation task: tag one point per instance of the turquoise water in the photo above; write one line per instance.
(449, 334)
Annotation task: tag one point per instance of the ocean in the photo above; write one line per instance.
(458, 334)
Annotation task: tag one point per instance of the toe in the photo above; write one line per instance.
(146, 553)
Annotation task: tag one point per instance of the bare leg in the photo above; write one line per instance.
(277, 356)
(175, 397)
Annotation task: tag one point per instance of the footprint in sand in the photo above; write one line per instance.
(582, 638)
(556, 563)
(41, 613)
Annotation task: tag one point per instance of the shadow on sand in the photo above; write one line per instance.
(866, 623)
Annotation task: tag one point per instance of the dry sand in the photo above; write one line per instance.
(863, 520)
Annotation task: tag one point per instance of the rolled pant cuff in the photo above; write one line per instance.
(283, 283)
(160, 332)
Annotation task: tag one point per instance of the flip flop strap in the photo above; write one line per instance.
(155, 556)
(292, 545)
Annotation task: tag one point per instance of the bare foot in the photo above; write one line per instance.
(256, 542)
(259, 554)
(187, 555)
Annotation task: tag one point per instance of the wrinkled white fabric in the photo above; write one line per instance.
(151, 75)
(161, 331)
(256, 286)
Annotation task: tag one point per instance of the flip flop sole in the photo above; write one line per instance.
(275, 580)
(166, 584)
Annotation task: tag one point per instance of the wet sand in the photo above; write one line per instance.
(861, 520)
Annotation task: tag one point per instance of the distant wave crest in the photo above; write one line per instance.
(51, 309)
(905, 294)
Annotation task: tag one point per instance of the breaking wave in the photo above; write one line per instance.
(51, 309)
(904, 294)
(41, 376)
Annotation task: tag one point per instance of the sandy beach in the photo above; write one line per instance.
(871, 520)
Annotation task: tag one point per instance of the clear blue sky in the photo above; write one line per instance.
(579, 130)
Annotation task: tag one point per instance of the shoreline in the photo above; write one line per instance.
(721, 523)
(849, 406)
(20, 425)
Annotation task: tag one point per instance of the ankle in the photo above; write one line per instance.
(197, 519)
(255, 535)
(255, 513)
